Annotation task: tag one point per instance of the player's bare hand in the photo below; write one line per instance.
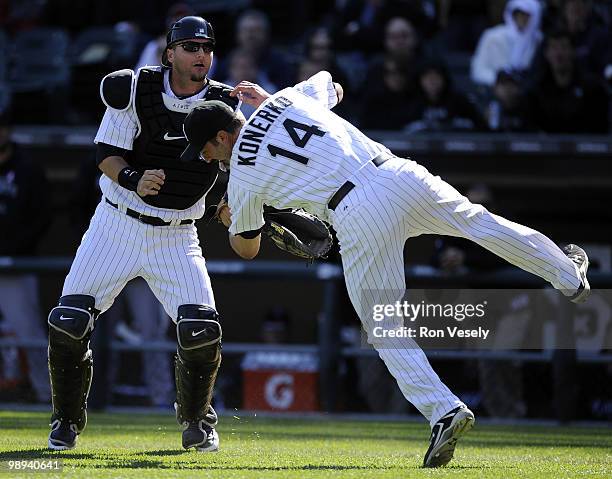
(224, 214)
(151, 182)
(252, 93)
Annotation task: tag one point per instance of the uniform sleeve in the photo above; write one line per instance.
(319, 87)
(246, 208)
(118, 128)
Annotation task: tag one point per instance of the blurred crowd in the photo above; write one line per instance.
(408, 65)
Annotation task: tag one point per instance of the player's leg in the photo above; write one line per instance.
(179, 279)
(70, 367)
(373, 265)
(372, 233)
(434, 206)
(106, 259)
(197, 361)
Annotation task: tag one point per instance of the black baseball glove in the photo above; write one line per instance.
(297, 232)
(292, 230)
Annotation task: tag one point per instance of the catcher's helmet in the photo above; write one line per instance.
(187, 28)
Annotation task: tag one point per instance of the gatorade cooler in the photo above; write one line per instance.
(280, 381)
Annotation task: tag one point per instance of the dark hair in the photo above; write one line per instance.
(234, 125)
(557, 33)
(309, 37)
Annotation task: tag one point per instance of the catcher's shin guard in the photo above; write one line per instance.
(70, 359)
(197, 361)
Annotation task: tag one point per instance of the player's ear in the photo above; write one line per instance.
(223, 136)
(170, 54)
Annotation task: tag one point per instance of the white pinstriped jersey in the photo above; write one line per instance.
(294, 152)
(120, 128)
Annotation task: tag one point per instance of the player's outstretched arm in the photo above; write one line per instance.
(252, 93)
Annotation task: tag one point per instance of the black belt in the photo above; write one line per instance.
(147, 220)
(348, 186)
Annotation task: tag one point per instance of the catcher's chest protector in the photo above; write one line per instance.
(159, 145)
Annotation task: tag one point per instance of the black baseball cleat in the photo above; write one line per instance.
(63, 435)
(200, 435)
(581, 260)
(445, 434)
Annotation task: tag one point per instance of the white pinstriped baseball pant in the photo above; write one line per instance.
(117, 248)
(399, 200)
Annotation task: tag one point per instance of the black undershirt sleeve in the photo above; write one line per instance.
(105, 150)
(250, 234)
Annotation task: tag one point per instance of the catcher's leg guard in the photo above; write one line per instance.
(70, 361)
(197, 361)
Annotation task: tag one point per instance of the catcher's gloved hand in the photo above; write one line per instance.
(297, 232)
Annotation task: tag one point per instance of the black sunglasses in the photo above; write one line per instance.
(193, 47)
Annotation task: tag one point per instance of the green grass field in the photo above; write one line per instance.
(122, 445)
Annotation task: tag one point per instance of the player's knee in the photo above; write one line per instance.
(198, 332)
(73, 318)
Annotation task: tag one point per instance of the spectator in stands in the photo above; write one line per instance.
(385, 104)
(567, 99)
(319, 50)
(253, 37)
(24, 218)
(460, 23)
(402, 45)
(509, 45)
(507, 111)
(152, 52)
(242, 67)
(591, 40)
(360, 24)
(437, 106)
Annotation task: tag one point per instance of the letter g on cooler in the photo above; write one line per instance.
(279, 391)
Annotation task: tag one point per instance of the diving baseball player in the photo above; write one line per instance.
(295, 153)
(144, 226)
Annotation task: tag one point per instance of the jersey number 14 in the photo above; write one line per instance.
(292, 128)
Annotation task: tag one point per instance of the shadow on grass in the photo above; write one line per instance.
(146, 464)
(43, 453)
(165, 452)
(39, 453)
(111, 462)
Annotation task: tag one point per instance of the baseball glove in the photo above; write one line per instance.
(298, 233)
